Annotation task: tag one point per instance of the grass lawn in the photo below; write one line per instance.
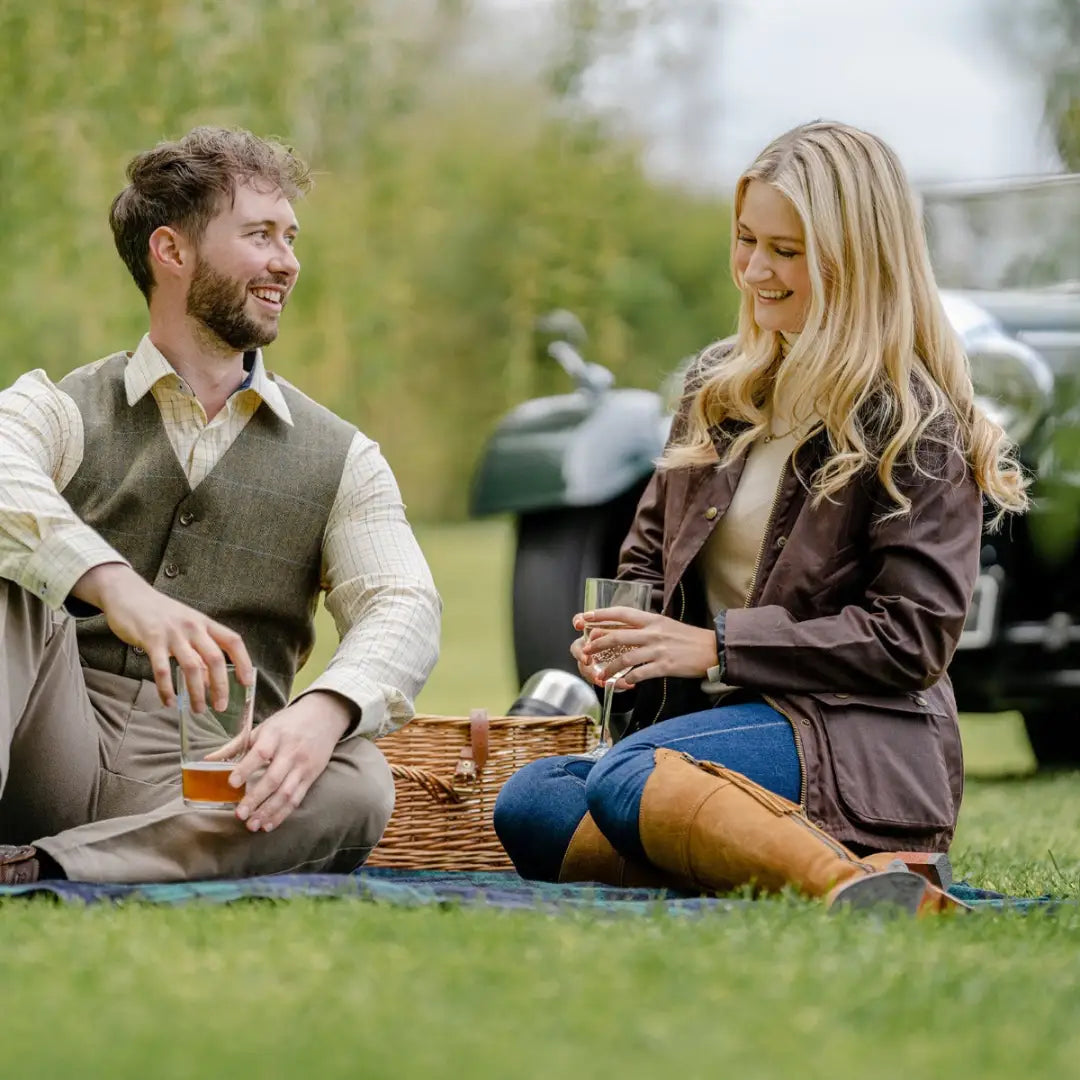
(345, 989)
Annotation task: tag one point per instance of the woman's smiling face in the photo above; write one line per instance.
(770, 259)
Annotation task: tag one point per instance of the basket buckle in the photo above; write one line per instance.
(474, 755)
(465, 770)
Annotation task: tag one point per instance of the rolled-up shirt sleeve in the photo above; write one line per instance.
(381, 595)
(44, 546)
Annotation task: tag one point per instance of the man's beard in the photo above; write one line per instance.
(213, 301)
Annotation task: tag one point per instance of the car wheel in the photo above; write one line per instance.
(556, 551)
(1054, 735)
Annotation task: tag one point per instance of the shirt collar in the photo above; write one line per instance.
(260, 380)
(147, 366)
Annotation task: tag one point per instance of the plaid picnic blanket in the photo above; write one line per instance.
(446, 887)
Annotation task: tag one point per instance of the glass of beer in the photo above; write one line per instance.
(212, 742)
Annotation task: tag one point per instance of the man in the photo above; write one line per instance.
(187, 507)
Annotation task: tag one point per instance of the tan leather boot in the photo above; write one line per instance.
(864, 891)
(718, 829)
(590, 857)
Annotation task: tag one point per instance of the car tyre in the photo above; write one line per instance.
(556, 551)
(1055, 736)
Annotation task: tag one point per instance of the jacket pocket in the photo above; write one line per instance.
(888, 758)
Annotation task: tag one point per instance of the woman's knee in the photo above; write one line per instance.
(514, 805)
(536, 813)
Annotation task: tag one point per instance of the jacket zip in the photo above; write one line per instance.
(663, 686)
(746, 604)
(798, 748)
(836, 847)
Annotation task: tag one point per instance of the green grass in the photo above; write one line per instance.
(347, 989)
(342, 989)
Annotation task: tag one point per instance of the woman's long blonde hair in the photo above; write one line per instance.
(877, 360)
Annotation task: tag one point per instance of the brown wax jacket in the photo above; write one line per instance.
(848, 631)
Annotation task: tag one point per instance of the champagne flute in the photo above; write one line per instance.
(606, 593)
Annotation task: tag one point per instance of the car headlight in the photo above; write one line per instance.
(1012, 382)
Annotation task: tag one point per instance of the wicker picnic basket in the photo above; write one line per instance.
(447, 772)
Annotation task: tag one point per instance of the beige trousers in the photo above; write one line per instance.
(90, 773)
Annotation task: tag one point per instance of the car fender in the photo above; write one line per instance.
(579, 449)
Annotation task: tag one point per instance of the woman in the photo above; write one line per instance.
(812, 533)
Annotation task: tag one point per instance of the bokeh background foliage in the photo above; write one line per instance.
(456, 198)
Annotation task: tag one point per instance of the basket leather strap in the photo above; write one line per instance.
(478, 736)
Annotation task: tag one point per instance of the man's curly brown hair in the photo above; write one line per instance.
(183, 183)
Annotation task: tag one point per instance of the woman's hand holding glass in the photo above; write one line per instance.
(651, 645)
(610, 594)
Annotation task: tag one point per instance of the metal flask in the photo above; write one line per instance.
(551, 692)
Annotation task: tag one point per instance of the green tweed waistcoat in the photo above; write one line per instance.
(245, 546)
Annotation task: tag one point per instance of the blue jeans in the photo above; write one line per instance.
(542, 804)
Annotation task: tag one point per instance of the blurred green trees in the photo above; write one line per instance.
(1045, 36)
(452, 205)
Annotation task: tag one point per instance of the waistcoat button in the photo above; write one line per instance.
(781, 541)
(138, 650)
(172, 570)
(711, 513)
(187, 517)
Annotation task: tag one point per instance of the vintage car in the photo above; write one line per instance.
(571, 468)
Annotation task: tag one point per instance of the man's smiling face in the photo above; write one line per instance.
(246, 269)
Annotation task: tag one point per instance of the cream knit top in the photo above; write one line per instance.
(728, 560)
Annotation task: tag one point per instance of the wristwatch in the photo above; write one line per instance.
(716, 673)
